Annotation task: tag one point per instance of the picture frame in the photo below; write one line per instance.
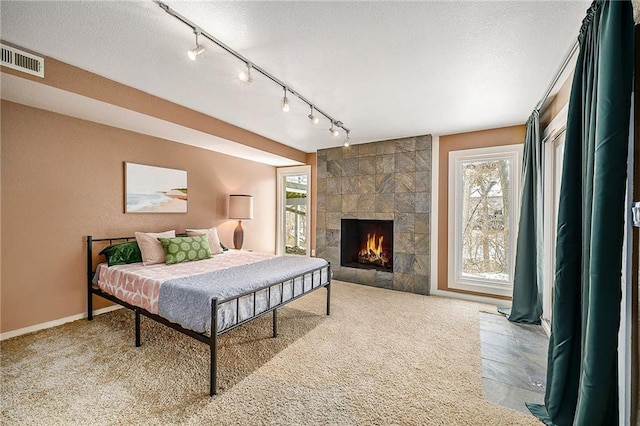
(153, 189)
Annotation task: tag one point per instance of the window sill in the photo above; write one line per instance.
(482, 287)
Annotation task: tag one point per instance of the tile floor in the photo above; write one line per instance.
(514, 361)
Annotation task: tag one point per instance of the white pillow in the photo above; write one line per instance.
(212, 236)
(150, 248)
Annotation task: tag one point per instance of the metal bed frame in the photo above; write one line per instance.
(212, 340)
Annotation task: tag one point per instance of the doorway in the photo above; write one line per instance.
(294, 207)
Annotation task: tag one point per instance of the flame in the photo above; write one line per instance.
(372, 252)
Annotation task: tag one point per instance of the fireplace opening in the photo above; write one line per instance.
(367, 244)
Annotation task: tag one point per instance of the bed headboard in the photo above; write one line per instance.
(90, 261)
(101, 242)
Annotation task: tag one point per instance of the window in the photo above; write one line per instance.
(484, 201)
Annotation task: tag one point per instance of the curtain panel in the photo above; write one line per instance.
(526, 306)
(582, 386)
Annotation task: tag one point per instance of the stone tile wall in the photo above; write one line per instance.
(379, 180)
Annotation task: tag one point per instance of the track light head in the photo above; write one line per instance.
(285, 101)
(245, 75)
(312, 117)
(196, 51)
(346, 141)
(333, 131)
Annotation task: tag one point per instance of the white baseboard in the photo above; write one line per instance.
(546, 327)
(54, 323)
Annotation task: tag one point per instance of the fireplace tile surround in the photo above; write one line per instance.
(387, 180)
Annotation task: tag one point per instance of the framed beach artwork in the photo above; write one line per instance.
(151, 189)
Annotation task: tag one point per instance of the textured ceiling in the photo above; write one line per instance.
(385, 69)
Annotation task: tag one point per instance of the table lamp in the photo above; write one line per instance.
(240, 208)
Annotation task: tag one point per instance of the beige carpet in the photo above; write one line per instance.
(382, 357)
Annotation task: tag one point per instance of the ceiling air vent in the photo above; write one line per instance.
(22, 61)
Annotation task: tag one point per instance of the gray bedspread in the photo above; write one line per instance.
(187, 301)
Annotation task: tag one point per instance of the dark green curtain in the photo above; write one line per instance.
(582, 386)
(526, 306)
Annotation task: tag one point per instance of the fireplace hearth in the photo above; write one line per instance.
(367, 244)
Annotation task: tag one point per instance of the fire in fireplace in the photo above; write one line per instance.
(367, 244)
(372, 251)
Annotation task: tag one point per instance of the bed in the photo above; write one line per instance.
(206, 298)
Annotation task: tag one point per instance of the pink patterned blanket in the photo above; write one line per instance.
(139, 285)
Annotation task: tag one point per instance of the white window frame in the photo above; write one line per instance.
(281, 192)
(553, 143)
(456, 280)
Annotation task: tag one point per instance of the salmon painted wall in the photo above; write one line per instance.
(312, 160)
(63, 179)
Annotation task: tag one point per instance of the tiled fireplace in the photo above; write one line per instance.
(379, 181)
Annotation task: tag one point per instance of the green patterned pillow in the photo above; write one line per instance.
(123, 253)
(185, 249)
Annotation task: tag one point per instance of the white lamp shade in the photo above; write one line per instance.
(240, 207)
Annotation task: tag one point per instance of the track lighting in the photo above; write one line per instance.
(333, 131)
(285, 101)
(252, 68)
(346, 141)
(245, 75)
(196, 51)
(312, 117)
